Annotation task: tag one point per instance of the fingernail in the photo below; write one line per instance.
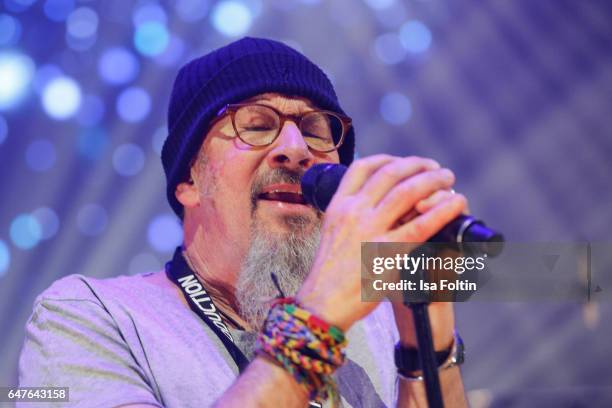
(447, 174)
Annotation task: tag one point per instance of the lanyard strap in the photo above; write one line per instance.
(179, 272)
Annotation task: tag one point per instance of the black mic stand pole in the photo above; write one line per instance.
(427, 354)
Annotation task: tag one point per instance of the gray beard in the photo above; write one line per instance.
(288, 255)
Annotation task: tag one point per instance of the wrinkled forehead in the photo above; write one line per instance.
(290, 104)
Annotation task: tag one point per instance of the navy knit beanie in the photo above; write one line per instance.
(230, 74)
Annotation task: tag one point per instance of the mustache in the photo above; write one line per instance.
(275, 176)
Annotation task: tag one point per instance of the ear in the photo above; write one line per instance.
(187, 194)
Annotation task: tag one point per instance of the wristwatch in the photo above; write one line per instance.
(408, 360)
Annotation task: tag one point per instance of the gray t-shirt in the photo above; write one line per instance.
(131, 339)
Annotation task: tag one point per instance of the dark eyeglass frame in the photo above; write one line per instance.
(231, 110)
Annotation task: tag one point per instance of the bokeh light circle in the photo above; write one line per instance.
(389, 49)
(118, 65)
(92, 220)
(10, 30)
(165, 233)
(82, 23)
(25, 231)
(61, 97)
(415, 36)
(48, 220)
(16, 71)
(133, 104)
(395, 108)
(151, 38)
(231, 18)
(40, 155)
(128, 159)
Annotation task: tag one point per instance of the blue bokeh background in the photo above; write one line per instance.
(514, 96)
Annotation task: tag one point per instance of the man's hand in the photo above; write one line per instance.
(375, 194)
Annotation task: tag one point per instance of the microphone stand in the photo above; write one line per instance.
(482, 240)
(419, 306)
(426, 348)
(427, 353)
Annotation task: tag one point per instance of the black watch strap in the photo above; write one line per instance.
(407, 359)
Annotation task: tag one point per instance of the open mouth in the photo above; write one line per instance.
(285, 196)
(283, 192)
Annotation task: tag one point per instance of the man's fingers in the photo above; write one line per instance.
(426, 225)
(404, 196)
(427, 203)
(392, 173)
(360, 171)
(437, 197)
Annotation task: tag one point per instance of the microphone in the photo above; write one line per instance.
(321, 181)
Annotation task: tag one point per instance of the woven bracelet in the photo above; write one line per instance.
(306, 346)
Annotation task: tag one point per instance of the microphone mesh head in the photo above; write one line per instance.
(320, 182)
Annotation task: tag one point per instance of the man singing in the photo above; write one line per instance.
(261, 306)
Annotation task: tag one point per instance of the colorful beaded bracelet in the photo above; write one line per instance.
(306, 346)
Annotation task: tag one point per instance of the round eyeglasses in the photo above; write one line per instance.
(259, 125)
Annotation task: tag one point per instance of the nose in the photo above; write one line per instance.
(290, 150)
